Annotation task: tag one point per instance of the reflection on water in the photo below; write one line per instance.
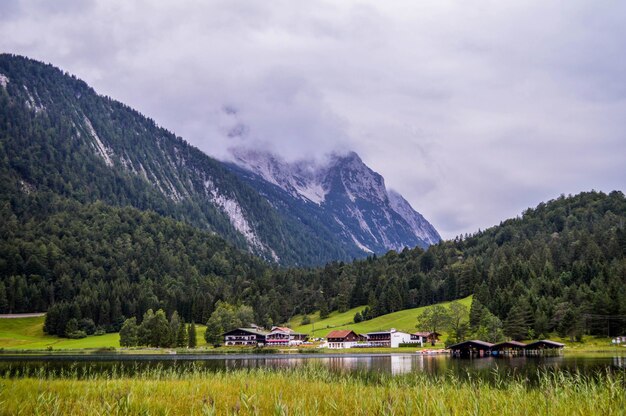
(394, 364)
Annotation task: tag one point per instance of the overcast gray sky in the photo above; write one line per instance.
(473, 111)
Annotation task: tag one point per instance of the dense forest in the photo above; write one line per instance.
(562, 262)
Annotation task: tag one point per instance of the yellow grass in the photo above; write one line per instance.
(309, 391)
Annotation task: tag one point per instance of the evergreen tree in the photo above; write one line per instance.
(515, 325)
(4, 303)
(175, 323)
(476, 313)
(213, 333)
(160, 336)
(181, 336)
(193, 342)
(145, 329)
(490, 328)
(324, 311)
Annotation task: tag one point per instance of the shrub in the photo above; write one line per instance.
(78, 334)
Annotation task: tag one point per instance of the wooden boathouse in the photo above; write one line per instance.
(478, 348)
(469, 349)
(508, 348)
(544, 347)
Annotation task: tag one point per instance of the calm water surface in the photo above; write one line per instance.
(394, 364)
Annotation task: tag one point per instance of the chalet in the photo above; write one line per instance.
(344, 338)
(284, 336)
(424, 337)
(253, 337)
(389, 339)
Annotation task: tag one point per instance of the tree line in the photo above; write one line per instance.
(156, 331)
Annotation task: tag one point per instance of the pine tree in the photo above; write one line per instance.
(181, 336)
(144, 331)
(4, 303)
(193, 341)
(475, 314)
(324, 312)
(514, 326)
(160, 335)
(175, 324)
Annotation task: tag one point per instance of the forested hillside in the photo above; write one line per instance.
(57, 134)
(106, 264)
(559, 267)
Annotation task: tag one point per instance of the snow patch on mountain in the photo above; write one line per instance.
(4, 80)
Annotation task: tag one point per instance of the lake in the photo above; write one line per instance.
(388, 364)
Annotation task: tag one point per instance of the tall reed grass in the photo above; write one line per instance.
(307, 390)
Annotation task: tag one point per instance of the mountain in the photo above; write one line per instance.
(342, 196)
(58, 135)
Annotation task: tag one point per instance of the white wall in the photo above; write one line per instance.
(398, 338)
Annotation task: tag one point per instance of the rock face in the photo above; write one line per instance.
(346, 196)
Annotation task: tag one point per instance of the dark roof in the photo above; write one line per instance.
(470, 344)
(508, 344)
(340, 333)
(253, 331)
(426, 334)
(544, 343)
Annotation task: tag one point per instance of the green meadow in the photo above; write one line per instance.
(27, 334)
(404, 320)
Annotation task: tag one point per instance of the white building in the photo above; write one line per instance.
(389, 339)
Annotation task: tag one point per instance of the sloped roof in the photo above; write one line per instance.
(426, 334)
(508, 344)
(282, 329)
(340, 333)
(471, 343)
(544, 343)
(254, 331)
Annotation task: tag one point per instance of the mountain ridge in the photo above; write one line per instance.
(345, 192)
(60, 135)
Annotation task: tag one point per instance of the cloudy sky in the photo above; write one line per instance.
(473, 111)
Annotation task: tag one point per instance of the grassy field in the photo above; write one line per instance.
(402, 320)
(309, 391)
(27, 334)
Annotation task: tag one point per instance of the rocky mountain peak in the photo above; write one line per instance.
(347, 193)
